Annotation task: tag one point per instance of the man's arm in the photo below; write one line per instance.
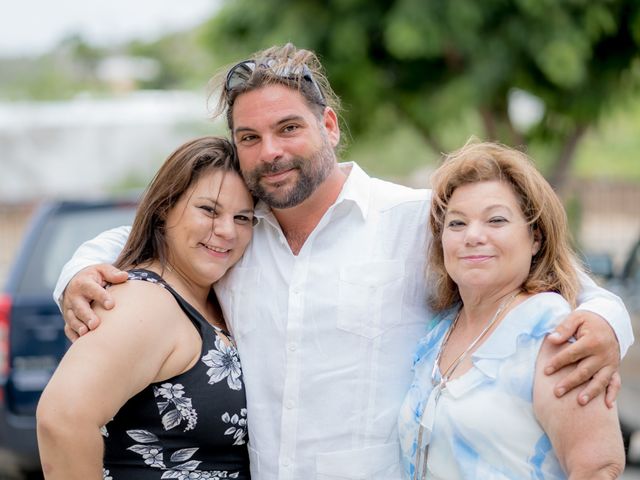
(104, 248)
(602, 302)
(602, 329)
(74, 293)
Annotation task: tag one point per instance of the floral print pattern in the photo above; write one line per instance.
(175, 407)
(467, 429)
(224, 363)
(203, 408)
(238, 426)
(185, 470)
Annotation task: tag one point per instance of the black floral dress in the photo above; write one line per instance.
(191, 426)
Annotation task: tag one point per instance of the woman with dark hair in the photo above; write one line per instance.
(158, 390)
(503, 276)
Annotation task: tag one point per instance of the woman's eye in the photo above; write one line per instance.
(209, 210)
(498, 220)
(455, 223)
(244, 220)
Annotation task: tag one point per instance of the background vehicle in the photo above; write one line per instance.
(626, 284)
(32, 340)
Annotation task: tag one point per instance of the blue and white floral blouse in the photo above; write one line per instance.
(482, 425)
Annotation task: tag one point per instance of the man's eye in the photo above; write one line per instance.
(290, 128)
(248, 138)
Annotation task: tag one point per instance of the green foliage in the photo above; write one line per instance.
(413, 75)
(431, 64)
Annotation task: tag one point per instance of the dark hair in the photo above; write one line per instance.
(181, 170)
(273, 61)
(553, 267)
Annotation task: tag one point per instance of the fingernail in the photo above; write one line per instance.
(584, 399)
(554, 336)
(82, 330)
(91, 324)
(108, 303)
(561, 391)
(548, 370)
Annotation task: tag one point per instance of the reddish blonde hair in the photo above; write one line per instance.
(553, 268)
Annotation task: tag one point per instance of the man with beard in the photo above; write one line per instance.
(329, 300)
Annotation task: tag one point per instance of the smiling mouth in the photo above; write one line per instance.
(277, 176)
(477, 258)
(216, 249)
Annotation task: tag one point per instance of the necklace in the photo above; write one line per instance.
(439, 385)
(446, 375)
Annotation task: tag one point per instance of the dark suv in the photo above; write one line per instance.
(626, 284)
(32, 340)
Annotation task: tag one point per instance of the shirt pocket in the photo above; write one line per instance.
(242, 288)
(370, 297)
(376, 462)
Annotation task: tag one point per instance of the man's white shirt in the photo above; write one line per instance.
(326, 337)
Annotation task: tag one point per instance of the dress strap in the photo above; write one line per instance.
(194, 315)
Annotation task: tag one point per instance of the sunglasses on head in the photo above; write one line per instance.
(240, 73)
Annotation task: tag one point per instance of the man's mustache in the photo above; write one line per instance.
(274, 167)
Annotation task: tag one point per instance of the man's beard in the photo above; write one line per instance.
(312, 171)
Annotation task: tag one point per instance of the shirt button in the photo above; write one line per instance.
(286, 463)
(292, 347)
(290, 404)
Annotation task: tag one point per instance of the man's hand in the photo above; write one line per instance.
(87, 286)
(595, 352)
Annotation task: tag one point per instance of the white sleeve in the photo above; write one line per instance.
(609, 306)
(104, 248)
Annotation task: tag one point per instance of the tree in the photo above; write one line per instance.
(432, 62)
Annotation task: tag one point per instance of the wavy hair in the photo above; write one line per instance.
(183, 168)
(274, 65)
(553, 267)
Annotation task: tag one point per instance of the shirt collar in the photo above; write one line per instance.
(356, 189)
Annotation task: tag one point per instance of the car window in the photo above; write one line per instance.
(62, 234)
(632, 268)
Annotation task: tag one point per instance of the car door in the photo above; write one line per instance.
(36, 336)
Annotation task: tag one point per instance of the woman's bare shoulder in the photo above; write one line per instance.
(141, 301)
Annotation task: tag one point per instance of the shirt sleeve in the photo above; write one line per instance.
(104, 248)
(596, 299)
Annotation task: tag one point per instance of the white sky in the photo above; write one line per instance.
(35, 26)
